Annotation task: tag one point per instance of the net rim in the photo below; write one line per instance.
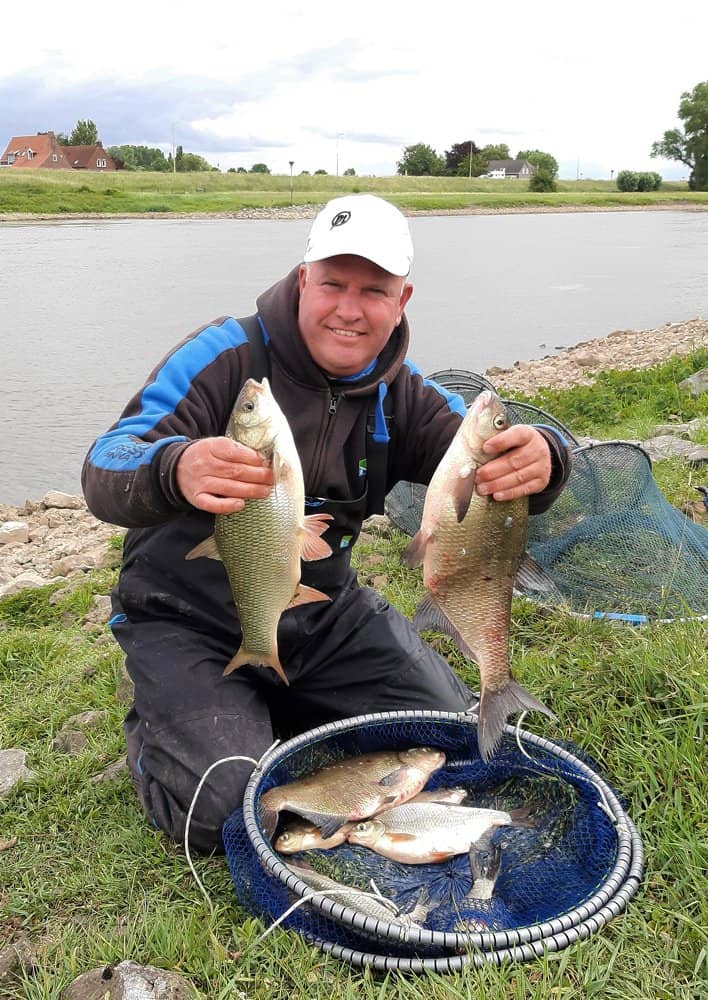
(629, 848)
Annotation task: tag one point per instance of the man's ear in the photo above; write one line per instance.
(406, 293)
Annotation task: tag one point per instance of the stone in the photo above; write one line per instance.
(12, 769)
(125, 692)
(21, 582)
(113, 772)
(14, 531)
(667, 446)
(698, 455)
(128, 981)
(696, 384)
(70, 741)
(64, 501)
(16, 955)
(92, 717)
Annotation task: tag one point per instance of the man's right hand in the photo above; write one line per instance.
(218, 475)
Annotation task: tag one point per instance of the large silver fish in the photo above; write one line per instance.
(418, 833)
(352, 788)
(471, 548)
(261, 546)
(301, 835)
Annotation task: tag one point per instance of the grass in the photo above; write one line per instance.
(92, 883)
(70, 192)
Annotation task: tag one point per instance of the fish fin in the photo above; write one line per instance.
(307, 595)
(494, 709)
(311, 545)
(403, 838)
(326, 823)
(520, 817)
(532, 576)
(429, 615)
(414, 553)
(463, 491)
(207, 549)
(243, 658)
(269, 820)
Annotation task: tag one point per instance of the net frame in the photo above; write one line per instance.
(517, 944)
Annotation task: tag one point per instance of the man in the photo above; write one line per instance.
(333, 338)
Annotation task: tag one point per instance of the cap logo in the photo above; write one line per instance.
(340, 218)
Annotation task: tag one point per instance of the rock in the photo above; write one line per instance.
(70, 741)
(128, 981)
(88, 719)
(587, 360)
(64, 501)
(698, 455)
(125, 692)
(667, 446)
(114, 771)
(14, 531)
(101, 610)
(12, 769)
(16, 955)
(696, 384)
(22, 581)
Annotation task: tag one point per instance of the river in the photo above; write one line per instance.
(87, 308)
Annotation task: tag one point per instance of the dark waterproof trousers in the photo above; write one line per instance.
(352, 656)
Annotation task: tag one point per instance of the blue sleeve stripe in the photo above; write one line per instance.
(122, 449)
(455, 402)
(554, 430)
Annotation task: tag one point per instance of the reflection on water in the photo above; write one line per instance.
(87, 309)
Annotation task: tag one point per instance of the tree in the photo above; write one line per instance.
(420, 160)
(542, 180)
(84, 133)
(259, 168)
(140, 158)
(540, 160)
(498, 152)
(193, 162)
(62, 138)
(349, 172)
(458, 156)
(179, 156)
(689, 146)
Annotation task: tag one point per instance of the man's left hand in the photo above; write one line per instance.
(520, 464)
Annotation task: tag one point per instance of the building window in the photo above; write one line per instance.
(30, 154)
(100, 163)
(55, 158)
(10, 157)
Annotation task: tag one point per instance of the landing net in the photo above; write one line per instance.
(560, 879)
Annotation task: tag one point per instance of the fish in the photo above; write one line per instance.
(353, 788)
(261, 545)
(485, 864)
(472, 549)
(426, 832)
(301, 835)
(371, 904)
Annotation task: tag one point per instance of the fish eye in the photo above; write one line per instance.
(248, 405)
(499, 421)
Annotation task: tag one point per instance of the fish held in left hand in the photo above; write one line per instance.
(472, 548)
(261, 546)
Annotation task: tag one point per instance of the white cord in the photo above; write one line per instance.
(198, 789)
(602, 804)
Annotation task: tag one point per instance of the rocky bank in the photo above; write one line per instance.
(56, 538)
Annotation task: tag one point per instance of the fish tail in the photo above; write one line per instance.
(244, 658)
(495, 707)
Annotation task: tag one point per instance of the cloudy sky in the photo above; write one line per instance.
(332, 86)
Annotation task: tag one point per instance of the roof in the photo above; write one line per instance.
(511, 166)
(41, 147)
(81, 156)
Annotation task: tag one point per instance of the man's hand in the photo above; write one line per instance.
(219, 475)
(523, 465)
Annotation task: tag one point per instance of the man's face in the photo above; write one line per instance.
(349, 308)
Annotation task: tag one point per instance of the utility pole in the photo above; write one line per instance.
(174, 157)
(292, 164)
(339, 136)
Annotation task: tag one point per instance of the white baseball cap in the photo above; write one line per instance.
(366, 226)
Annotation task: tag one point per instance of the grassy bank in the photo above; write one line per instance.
(62, 192)
(92, 883)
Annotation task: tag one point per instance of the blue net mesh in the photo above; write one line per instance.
(571, 854)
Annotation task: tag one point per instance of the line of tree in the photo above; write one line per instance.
(129, 157)
(690, 144)
(466, 159)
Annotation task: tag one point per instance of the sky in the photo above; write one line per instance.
(333, 86)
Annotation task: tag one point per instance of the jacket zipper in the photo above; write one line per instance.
(321, 448)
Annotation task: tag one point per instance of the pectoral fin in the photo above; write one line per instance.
(207, 549)
(307, 595)
(414, 553)
(463, 490)
(532, 576)
(311, 545)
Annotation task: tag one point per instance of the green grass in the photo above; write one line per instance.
(62, 192)
(92, 883)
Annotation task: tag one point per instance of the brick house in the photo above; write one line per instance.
(42, 151)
